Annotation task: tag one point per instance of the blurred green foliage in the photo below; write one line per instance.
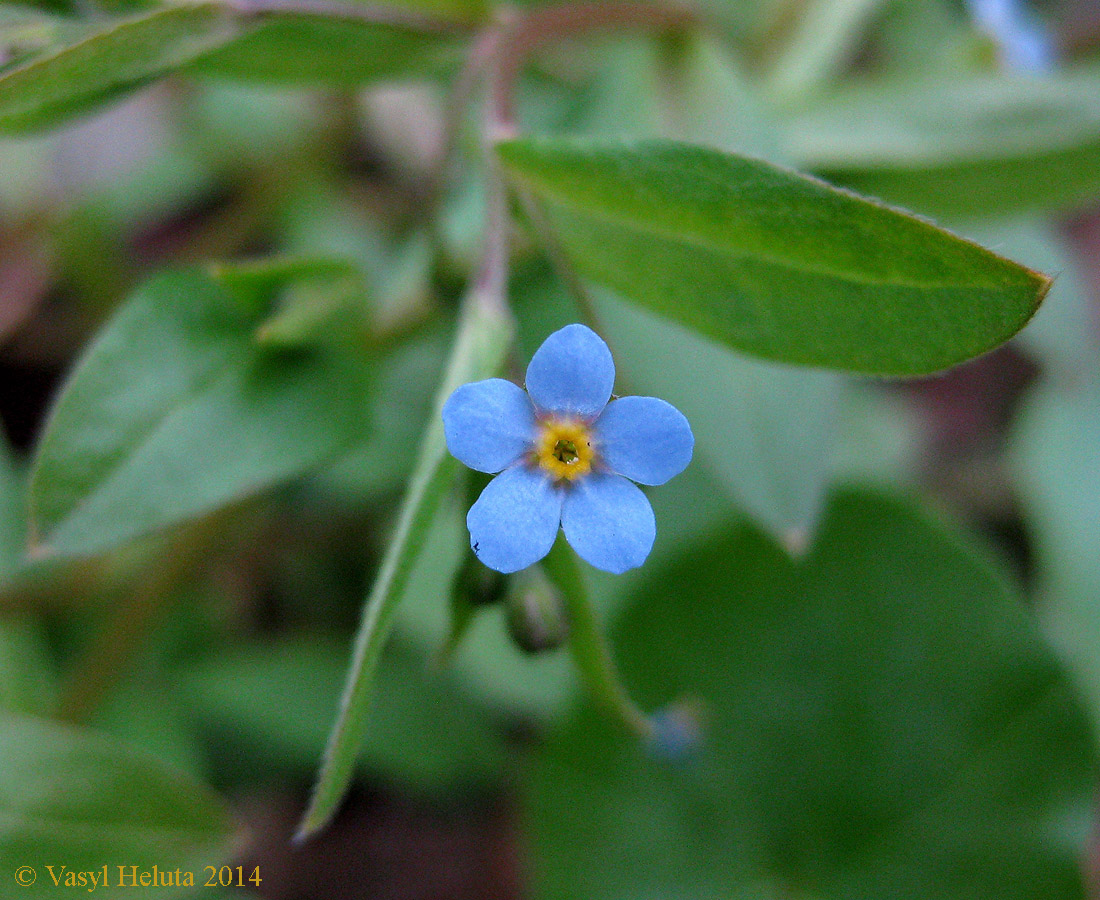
(245, 252)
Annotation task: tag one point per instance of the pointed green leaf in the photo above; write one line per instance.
(70, 797)
(771, 262)
(108, 61)
(174, 411)
(478, 351)
(881, 720)
(1063, 336)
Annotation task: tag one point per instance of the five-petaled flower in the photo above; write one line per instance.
(564, 454)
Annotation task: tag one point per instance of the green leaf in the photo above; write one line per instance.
(469, 11)
(825, 37)
(478, 351)
(972, 146)
(109, 61)
(405, 382)
(147, 715)
(25, 32)
(28, 682)
(254, 281)
(13, 513)
(1055, 455)
(881, 721)
(773, 263)
(1063, 335)
(75, 799)
(174, 411)
(396, 271)
(305, 49)
(277, 699)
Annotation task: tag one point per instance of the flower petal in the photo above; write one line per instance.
(488, 424)
(514, 522)
(609, 522)
(645, 439)
(572, 373)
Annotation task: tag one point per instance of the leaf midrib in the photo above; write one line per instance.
(695, 240)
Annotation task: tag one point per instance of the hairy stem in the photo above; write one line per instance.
(477, 60)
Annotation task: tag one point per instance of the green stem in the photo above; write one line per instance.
(588, 645)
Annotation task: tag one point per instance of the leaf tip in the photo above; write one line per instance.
(796, 541)
(1045, 283)
(308, 828)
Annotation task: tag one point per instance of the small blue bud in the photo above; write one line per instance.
(677, 732)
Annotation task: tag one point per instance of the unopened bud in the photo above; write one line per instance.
(535, 613)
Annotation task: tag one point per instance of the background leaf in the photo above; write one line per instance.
(971, 146)
(305, 49)
(273, 702)
(881, 720)
(1055, 456)
(108, 61)
(773, 263)
(28, 682)
(825, 37)
(13, 514)
(173, 411)
(767, 432)
(62, 805)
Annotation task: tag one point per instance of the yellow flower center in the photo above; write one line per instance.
(564, 448)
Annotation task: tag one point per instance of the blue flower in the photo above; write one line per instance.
(564, 454)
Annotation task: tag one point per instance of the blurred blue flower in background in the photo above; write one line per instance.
(564, 454)
(1024, 44)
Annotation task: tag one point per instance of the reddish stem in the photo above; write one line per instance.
(549, 25)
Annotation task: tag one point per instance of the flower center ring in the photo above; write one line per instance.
(564, 448)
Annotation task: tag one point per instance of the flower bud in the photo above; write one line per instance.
(535, 613)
